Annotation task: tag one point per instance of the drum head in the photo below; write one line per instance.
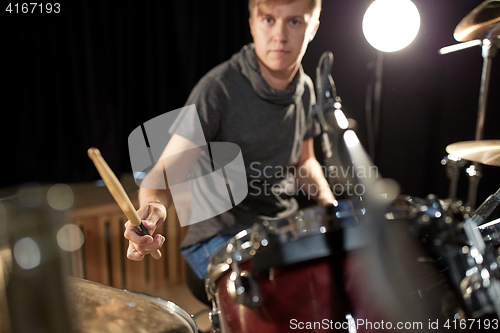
(99, 308)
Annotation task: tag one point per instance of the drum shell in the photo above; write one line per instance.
(283, 301)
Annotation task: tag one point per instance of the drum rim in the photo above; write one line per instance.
(218, 265)
(170, 306)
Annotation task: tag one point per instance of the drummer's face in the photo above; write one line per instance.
(281, 33)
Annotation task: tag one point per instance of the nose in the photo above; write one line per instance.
(279, 31)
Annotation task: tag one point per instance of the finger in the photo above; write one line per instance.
(150, 248)
(132, 235)
(150, 226)
(143, 212)
(132, 253)
(156, 214)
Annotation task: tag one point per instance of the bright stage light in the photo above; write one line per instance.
(391, 25)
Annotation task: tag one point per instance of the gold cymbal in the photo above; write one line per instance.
(481, 23)
(100, 308)
(481, 151)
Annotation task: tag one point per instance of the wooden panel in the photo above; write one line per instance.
(77, 264)
(158, 266)
(135, 275)
(103, 256)
(117, 255)
(94, 251)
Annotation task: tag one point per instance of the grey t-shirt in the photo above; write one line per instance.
(235, 104)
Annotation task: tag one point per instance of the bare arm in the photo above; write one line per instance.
(310, 174)
(153, 201)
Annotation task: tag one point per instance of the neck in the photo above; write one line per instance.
(279, 80)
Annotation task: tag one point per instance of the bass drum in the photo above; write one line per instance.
(327, 269)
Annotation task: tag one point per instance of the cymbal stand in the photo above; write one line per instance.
(454, 166)
(474, 173)
(489, 50)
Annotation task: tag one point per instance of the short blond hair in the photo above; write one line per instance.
(314, 5)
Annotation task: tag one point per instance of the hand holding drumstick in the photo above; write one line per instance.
(145, 243)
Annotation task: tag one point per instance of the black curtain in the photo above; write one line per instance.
(90, 74)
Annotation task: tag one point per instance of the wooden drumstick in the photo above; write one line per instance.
(116, 189)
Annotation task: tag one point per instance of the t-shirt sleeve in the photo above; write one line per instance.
(313, 127)
(210, 101)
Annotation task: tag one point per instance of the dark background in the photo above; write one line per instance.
(91, 74)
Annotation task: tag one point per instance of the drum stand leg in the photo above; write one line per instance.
(215, 317)
(453, 167)
(489, 52)
(474, 174)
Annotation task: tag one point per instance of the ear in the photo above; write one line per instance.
(313, 31)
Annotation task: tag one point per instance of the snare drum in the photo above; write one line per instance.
(316, 270)
(99, 308)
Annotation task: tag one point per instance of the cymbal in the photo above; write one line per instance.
(99, 308)
(481, 23)
(481, 151)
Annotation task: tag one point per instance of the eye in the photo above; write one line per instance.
(268, 20)
(295, 22)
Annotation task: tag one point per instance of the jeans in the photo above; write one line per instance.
(197, 255)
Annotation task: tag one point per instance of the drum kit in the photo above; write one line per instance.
(370, 264)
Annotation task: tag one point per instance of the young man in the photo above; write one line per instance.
(260, 100)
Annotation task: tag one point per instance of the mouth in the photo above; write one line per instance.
(280, 52)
